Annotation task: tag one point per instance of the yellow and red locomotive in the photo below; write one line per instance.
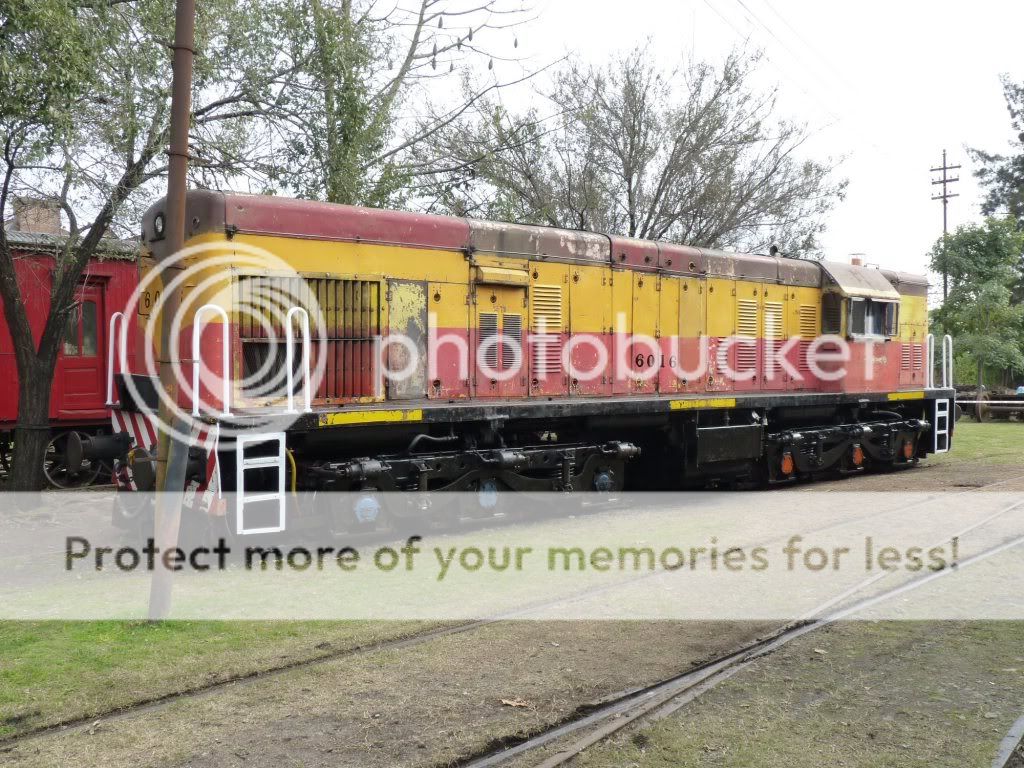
(532, 358)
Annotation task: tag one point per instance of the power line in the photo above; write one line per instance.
(815, 51)
(945, 181)
(785, 74)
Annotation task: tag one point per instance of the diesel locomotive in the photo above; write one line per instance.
(532, 358)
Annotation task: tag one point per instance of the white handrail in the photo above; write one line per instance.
(289, 354)
(929, 381)
(122, 351)
(947, 361)
(197, 362)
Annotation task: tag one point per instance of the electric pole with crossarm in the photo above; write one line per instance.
(945, 181)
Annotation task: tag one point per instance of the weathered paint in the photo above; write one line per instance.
(905, 396)
(78, 393)
(564, 284)
(699, 403)
(344, 418)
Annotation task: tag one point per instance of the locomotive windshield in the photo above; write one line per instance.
(869, 317)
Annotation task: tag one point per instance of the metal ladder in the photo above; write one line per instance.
(940, 427)
(273, 461)
(942, 408)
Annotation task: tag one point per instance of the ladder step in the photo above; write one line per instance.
(260, 461)
(257, 497)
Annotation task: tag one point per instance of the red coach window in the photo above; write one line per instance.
(80, 333)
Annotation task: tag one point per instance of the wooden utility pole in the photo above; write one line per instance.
(172, 456)
(945, 181)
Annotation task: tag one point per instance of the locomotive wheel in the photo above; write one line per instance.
(982, 412)
(55, 464)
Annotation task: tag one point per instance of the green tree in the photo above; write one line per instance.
(981, 312)
(1003, 174)
(695, 155)
(83, 122)
(373, 80)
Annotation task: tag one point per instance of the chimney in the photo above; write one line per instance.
(37, 216)
(857, 260)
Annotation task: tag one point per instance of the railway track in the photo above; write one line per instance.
(625, 707)
(667, 696)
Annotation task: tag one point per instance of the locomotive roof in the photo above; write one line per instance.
(210, 211)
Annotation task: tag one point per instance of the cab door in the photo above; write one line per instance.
(78, 376)
(499, 359)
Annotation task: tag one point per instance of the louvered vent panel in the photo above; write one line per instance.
(772, 320)
(349, 311)
(488, 330)
(773, 336)
(746, 328)
(918, 352)
(512, 344)
(546, 315)
(808, 322)
(905, 354)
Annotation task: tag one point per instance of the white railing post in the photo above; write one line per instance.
(290, 358)
(929, 381)
(947, 361)
(121, 344)
(197, 362)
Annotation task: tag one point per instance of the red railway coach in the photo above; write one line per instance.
(531, 358)
(80, 395)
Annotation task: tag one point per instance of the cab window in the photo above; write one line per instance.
(868, 317)
(831, 313)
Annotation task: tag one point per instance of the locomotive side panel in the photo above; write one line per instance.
(644, 353)
(590, 313)
(776, 330)
(720, 329)
(746, 352)
(670, 289)
(804, 314)
(448, 345)
(548, 329)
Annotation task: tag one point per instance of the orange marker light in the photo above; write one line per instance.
(787, 464)
(908, 450)
(857, 456)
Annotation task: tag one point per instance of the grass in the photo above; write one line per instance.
(54, 671)
(991, 442)
(864, 695)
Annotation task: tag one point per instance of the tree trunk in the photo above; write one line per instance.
(33, 431)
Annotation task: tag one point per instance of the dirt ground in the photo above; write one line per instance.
(879, 694)
(929, 476)
(427, 705)
(857, 694)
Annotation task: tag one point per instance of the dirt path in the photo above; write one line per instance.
(427, 705)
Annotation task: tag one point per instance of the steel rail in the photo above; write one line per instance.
(666, 697)
(623, 699)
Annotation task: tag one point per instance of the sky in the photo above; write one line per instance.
(883, 86)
